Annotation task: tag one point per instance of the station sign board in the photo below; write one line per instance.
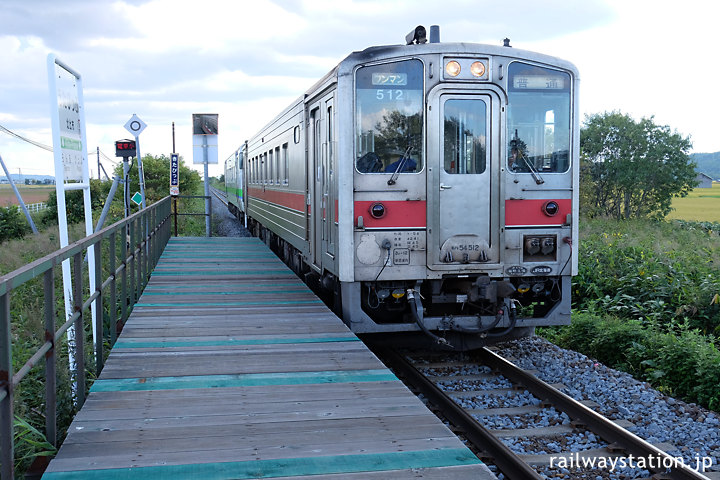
(174, 174)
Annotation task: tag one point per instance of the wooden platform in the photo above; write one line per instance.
(229, 368)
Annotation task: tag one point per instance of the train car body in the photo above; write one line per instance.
(234, 182)
(430, 187)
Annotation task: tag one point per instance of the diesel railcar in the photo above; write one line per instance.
(429, 187)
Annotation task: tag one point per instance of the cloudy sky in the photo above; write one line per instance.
(246, 60)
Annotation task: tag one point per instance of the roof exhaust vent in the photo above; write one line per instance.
(434, 34)
(506, 43)
(416, 35)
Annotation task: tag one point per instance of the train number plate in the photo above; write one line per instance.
(401, 256)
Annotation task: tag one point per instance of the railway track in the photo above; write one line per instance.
(466, 388)
(219, 194)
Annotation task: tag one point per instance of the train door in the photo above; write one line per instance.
(464, 149)
(316, 182)
(329, 190)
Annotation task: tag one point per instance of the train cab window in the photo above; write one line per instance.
(465, 134)
(538, 119)
(389, 117)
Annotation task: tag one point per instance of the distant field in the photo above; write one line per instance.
(702, 204)
(29, 193)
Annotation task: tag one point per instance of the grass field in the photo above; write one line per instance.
(702, 204)
(29, 193)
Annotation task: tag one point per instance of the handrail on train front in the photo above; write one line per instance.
(148, 232)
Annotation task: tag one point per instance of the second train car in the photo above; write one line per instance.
(429, 187)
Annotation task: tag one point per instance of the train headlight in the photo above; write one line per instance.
(532, 245)
(452, 68)
(477, 69)
(551, 208)
(377, 210)
(548, 245)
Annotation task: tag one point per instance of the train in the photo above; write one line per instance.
(428, 189)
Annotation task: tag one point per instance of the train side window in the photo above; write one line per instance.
(271, 175)
(265, 169)
(465, 134)
(286, 165)
(277, 165)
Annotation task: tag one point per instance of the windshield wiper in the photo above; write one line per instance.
(401, 163)
(535, 175)
(515, 145)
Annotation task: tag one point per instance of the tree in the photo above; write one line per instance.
(632, 169)
(157, 178)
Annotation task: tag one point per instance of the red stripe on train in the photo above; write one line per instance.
(531, 212)
(295, 201)
(398, 214)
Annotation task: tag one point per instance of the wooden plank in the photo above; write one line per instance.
(291, 462)
(386, 425)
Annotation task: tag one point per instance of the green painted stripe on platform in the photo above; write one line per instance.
(284, 467)
(194, 287)
(229, 272)
(232, 304)
(231, 342)
(230, 253)
(241, 380)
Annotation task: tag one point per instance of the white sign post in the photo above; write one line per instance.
(136, 127)
(67, 111)
(205, 151)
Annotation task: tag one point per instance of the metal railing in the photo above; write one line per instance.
(208, 198)
(143, 237)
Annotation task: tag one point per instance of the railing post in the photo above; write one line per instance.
(175, 200)
(7, 452)
(50, 359)
(79, 330)
(131, 272)
(112, 304)
(99, 310)
(139, 259)
(124, 274)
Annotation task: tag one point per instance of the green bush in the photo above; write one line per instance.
(12, 223)
(652, 271)
(74, 203)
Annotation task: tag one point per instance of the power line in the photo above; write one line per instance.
(32, 142)
(43, 146)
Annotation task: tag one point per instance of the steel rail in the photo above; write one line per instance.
(593, 421)
(511, 465)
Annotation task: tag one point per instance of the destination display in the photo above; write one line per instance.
(539, 82)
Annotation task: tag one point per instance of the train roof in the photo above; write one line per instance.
(460, 48)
